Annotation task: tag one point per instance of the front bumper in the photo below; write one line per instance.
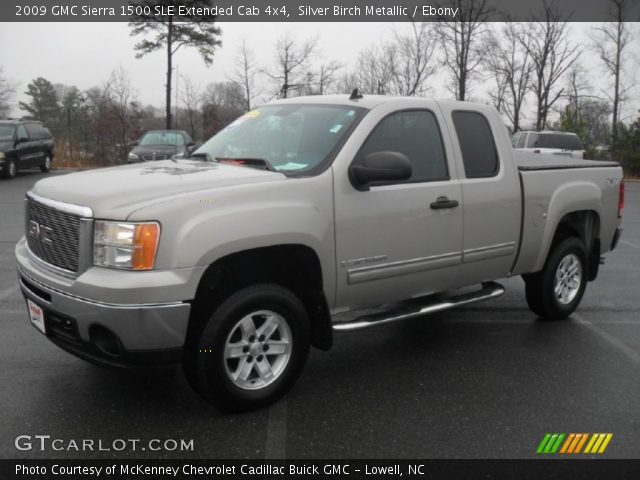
(117, 334)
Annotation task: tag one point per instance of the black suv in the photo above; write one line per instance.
(24, 144)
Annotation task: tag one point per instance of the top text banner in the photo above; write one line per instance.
(308, 10)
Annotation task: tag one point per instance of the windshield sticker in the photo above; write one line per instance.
(351, 113)
(242, 119)
(336, 128)
(291, 166)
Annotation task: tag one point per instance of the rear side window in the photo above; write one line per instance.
(479, 153)
(414, 133)
(533, 141)
(37, 132)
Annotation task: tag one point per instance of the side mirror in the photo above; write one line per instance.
(135, 143)
(191, 144)
(21, 140)
(382, 166)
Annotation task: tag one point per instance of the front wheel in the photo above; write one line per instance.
(46, 166)
(10, 169)
(251, 350)
(556, 291)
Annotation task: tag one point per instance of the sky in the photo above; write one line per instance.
(84, 54)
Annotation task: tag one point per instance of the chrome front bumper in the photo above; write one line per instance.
(144, 326)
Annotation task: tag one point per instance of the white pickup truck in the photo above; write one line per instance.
(547, 142)
(236, 260)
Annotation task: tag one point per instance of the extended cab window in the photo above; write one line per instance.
(414, 133)
(479, 153)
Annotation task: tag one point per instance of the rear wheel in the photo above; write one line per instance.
(251, 350)
(556, 291)
(10, 169)
(46, 166)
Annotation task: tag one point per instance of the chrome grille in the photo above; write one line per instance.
(60, 245)
(154, 157)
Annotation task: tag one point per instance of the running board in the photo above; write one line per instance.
(417, 307)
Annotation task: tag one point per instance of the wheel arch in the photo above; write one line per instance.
(293, 266)
(583, 224)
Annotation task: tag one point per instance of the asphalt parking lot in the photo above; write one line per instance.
(485, 381)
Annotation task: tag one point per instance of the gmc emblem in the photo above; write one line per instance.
(40, 232)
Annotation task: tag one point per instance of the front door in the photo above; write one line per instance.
(395, 240)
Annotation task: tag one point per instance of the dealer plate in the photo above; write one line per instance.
(36, 315)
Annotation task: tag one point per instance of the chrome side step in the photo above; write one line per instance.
(417, 307)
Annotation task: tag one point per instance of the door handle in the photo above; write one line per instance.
(444, 202)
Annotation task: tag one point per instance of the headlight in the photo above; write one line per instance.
(1, 155)
(133, 156)
(130, 246)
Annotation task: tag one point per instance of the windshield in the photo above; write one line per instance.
(6, 132)
(292, 138)
(161, 138)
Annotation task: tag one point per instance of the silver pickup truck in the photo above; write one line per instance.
(235, 260)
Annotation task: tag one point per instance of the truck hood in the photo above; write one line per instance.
(120, 190)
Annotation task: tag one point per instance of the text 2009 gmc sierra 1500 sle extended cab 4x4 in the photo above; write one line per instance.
(236, 260)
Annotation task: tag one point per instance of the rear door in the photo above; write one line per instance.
(391, 244)
(36, 145)
(490, 192)
(25, 147)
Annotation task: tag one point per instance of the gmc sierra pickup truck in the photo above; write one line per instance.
(235, 260)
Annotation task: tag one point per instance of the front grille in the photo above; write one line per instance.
(154, 157)
(52, 235)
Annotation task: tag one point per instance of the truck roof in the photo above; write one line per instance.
(366, 101)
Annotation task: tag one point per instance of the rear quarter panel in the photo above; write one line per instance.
(551, 194)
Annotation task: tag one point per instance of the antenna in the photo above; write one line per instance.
(355, 94)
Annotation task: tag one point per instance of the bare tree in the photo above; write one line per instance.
(222, 102)
(292, 58)
(414, 59)
(125, 106)
(191, 98)
(578, 88)
(327, 74)
(374, 69)
(7, 91)
(511, 67)
(245, 72)
(462, 41)
(551, 54)
(611, 42)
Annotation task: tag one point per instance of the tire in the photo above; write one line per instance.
(230, 365)
(10, 169)
(46, 166)
(556, 291)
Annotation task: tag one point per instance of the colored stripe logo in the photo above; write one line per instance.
(568, 443)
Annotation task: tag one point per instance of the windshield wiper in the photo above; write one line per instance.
(200, 156)
(259, 163)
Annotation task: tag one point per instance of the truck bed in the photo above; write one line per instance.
(536, 161)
